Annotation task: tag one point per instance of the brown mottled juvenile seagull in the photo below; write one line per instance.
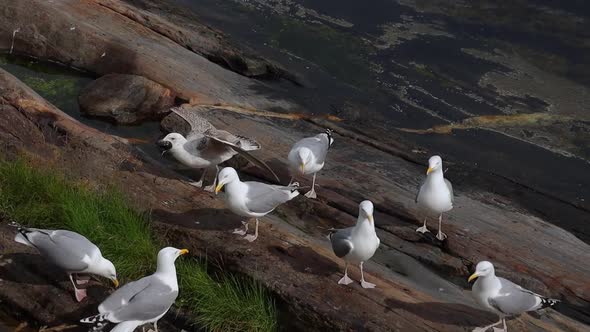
(207, 147)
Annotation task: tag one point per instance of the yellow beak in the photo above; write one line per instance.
(302, 167)
(428, 170)
(218, 188)
(472, 277)
(183, 251)
(115, 282)
(371, 218)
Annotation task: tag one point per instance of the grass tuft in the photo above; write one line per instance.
(46, 199)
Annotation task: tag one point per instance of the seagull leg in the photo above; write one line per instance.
(485, 328)
(242, 231)
(441, 236)
(505, 329)
(250, 237)
(156, 326)
(311, 193)
(199, 184)
(423, 229)
(345, 280)
(291, 181)
(211, 188)
(79, 293)
(363, 282)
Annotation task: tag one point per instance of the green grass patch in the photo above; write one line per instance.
(46, 199)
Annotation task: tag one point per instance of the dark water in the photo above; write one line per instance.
(61, 86)
(418, 64)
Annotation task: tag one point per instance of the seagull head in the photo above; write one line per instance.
(366, 211)
(434, 163)
(105, 268)
(483, 269)
(171, 141)
(305, 157)
(226, 175)
(170, 254)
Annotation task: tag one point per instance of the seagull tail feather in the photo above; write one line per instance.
(547, 302)
(99, 322)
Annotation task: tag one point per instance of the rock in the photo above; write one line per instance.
(103, 37)
(125, 99)
(292, 256)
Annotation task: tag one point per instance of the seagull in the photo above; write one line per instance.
(252, 199)
(207, 147)
(142, 301)
(435, 194)
(356, 244)
(502, 296)
(70, 251)
(309, 155)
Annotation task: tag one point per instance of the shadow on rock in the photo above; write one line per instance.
(446, 313)
(306, 260)
(31, 269)
(206, 218)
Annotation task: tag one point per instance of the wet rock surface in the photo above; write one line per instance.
(125, 99)
(501, 212)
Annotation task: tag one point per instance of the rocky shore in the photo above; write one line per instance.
(421, 283)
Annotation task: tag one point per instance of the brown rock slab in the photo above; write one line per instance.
(125, 99)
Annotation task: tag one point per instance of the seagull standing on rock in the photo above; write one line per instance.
(70, 251)
(252, 199)
(309, 155)
(142, 301)
(502, 296)
(206, 147)
(357, 244)
(435, 194)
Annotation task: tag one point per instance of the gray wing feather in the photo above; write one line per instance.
(263, 198)
(143, 299)
(419, 189)
(318, 145)
(65, 248)
(450, 187)
(198, 124)
(341, 243)
(148, 304)
(513, 299)
(123, 295)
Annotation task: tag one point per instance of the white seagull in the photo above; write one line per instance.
(70, 251)
(357, 244)
(142, 301)
(309, 155)
(503, 297)
(435, 194)
(252, 199)
(206, 147)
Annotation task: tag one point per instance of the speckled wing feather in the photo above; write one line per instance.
(240, 145)
(199, 125)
